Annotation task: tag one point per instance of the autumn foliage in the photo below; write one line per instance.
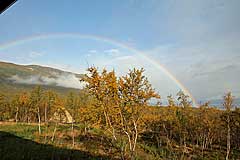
(120, 108)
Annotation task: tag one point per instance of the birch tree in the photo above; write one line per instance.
(228, 105)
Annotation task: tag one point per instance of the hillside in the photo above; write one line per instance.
(15, 78)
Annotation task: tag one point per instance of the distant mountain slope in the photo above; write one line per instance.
(9, 69)
(14, 78)
(219, 102)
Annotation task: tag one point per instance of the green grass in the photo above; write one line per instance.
(21, 141)
(21, 130)
(16, 148)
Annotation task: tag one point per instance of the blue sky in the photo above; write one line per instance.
(197, 41)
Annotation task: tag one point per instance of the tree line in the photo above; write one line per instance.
(120, 106)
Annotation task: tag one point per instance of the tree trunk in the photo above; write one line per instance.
(28, 121)
(46, 132)
(85, 128)
(105, 115)
(45, 114)
(135, 137)
(39, 121)
(129, 140)
(133, 141)
(16, 116)
(228, 138)
(55, 129)
(73, 141)
(46, 122)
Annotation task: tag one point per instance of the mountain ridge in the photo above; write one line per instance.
(17, 77)
(34, 68)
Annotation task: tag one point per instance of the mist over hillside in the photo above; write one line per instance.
(64, 80)
(14, 77)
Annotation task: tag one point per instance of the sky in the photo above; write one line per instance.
(198, 42)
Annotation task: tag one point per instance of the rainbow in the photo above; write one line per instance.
(102, 39)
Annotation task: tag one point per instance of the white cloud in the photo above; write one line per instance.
(123, 58)
(88, 55)
(113, 52)
(92, 51)
(35, 54)
(63, 80)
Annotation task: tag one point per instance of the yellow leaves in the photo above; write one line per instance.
(228, 101)
(116, 97)
(183, 99)
(23, 98)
